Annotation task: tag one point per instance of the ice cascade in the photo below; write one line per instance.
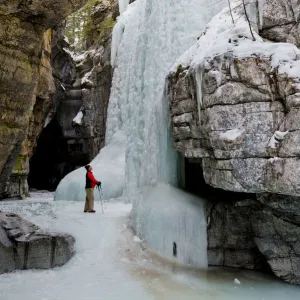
(148, 38)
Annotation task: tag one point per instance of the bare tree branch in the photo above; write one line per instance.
(248, 20)
(230, 11)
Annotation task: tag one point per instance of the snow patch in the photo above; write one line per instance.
(78, 118)
(71, 53)
(236, 281)
(86, 78)
(231, 135)
(136, 239)
(220, 36)
(273, 159)
(276, 138)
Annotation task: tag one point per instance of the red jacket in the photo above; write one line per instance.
(90, 180)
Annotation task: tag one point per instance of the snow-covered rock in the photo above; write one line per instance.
(239, 113)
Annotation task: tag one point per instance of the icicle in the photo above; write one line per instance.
(198, 78)
(116, 40)
(253, 14)
(123, 5)
(261, 4)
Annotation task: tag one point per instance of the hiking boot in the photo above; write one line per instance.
(91, 211)
(85, 211)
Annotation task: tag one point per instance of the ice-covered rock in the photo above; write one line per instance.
(24, 245)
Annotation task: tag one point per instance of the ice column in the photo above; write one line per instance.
(123, 5)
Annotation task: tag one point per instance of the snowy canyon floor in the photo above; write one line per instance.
(111, 264)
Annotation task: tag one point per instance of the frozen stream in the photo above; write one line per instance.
(110, 265)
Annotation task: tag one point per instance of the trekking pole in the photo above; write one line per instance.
(102, 196)
(101, 199)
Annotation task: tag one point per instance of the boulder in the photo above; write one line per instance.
(23, 245)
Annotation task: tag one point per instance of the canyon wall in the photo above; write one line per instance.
(26, 82)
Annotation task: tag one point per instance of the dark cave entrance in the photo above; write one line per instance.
(194, 183)
(54, 158)
(230, 235)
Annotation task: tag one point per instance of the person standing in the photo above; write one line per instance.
(90, 184)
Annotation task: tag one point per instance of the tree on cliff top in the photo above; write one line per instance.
(77, 24)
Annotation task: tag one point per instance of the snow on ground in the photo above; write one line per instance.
(110, 265)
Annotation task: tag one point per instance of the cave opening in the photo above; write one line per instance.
(230, 234)
(54, 157)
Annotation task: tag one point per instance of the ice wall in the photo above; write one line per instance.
(165, 215)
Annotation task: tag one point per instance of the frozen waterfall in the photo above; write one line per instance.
(147, 40)
(149, 37)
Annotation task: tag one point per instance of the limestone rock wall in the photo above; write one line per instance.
(247, 107)
(21, 53)
(56, 74)
(79, 106)
(17, 183)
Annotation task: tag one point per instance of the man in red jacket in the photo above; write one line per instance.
(90, 184)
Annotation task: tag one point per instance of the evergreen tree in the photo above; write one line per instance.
(77, 25)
